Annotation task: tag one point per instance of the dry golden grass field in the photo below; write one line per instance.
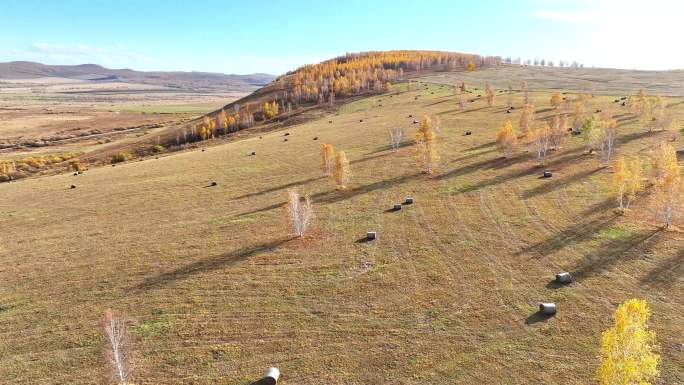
(217, 290)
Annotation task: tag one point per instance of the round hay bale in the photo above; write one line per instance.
(286, 134)
(253, 153)
(315, 138)
(408, 200)
(547, 308)
(213, 183)
(285, 140)
(548, 174)
(396, 207)
(72, 186)
(564, 278)
(371, 235)
(468, 133)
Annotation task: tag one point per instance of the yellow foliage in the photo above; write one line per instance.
(627, 349)
(526, 119)
(506, 138)
(327, 158)
(556, 100)
(426, 146)
(341, 172)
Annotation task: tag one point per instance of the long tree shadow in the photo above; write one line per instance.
(492, 163)
(667, 273)
(304, 181)
(280, 187)
(388, 147)
(210, 264)
(558, 184)
(335, 196)
(612, 252)
(572, 234)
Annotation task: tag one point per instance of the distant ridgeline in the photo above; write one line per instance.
(315, 85)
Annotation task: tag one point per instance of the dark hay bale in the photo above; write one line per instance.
(315, 138)
(285, 140)
(598, 110)
(547, 308)
(214, 183)
(416, 98)
(396, 207)
(564, 278)
(511, 108)
(360, 120)
(616, 101)
(253, 153)
(624, 104)
(113, 165)
(623, 98)
(261, 137)
(408, 200)
(410, 115)
(203, 150)
(415, 122)
(548, 174)
(73, 187)
(508, 111)
(75, 174)
(371, 235)
(286, 134)
(330, 121)
(468, 133)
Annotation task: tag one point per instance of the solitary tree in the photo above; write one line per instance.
(607, 139)
(327, 158)
(489, 93)
(506, 139)
(526, 118)
(627, 181)
(300, 214)
(426, 146)
(395, 136)
(556, 100)
(341, 173)
(540, 139)
(558, 131)
(668, 199)
(526, 94)
(627, 349)
(117, 347)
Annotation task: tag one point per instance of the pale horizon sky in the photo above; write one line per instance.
(277, 36)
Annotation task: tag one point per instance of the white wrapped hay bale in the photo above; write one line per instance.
(547, 308)
(564, 278)
(273, 373)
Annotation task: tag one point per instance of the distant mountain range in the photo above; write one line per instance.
(18, 70)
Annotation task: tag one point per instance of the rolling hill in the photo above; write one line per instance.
(22, 70)
(217, 289)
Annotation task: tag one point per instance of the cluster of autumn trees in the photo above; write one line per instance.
(358, 73)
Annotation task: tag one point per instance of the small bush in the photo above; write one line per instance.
(122, 156)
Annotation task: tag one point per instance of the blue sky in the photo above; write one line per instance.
(276, 36)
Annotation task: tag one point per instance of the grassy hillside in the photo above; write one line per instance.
(217, 290)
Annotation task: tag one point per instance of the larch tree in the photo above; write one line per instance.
(526, 93)
(506, 139)
(489, 95)
(341, 173)
(327, 158)
(627, 181)
(526, 119)
(558, 131)
(426, 146)
(556, 100)
(117, 346)
(627, 351)
(668, 198)
(300, 214)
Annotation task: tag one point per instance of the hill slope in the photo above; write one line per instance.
(217, 290)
